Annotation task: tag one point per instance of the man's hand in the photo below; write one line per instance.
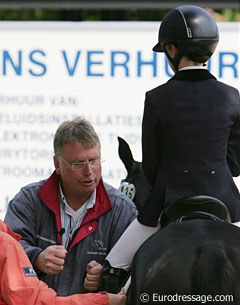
(92, 280)
(118, 299)
(51, 260)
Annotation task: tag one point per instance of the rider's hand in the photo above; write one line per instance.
(51, 260)
(92, 280)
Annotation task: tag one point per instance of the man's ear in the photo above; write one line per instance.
(56, 164)
(171, 50)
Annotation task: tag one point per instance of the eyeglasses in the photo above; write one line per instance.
(81, 164)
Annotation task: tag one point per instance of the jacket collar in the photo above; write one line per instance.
(193, 75)
(48, 193)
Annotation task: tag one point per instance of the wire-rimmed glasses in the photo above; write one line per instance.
(78, 165)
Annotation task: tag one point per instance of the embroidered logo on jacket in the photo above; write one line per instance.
(97, 248)
(29, 271)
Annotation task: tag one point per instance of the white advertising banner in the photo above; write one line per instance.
(52, 71)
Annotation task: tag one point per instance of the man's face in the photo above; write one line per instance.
(78, 183)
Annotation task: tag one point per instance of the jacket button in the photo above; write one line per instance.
(90, 228)
(186, 171)
(212, 172)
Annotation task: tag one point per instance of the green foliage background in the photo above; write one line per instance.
(225, 14)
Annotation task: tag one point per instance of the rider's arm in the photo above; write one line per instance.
(233, 150)
(151, 148)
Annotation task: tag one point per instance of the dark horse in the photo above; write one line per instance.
(193, 259)
(191, 262)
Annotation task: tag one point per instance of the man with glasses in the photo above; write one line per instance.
(73, 217)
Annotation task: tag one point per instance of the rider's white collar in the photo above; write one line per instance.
(192, 68)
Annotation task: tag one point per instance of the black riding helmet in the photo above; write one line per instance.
(192, 29)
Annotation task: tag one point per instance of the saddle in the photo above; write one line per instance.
(195, 207)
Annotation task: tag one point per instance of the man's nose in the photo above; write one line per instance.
(87, 168)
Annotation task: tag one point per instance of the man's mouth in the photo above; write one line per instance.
(88, 182)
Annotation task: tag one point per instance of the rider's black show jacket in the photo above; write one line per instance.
(191, 142)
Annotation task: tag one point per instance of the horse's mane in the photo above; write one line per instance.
(214, 274)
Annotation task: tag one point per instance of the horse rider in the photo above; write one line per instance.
(190, 132)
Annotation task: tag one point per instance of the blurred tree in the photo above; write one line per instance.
(226, 14)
